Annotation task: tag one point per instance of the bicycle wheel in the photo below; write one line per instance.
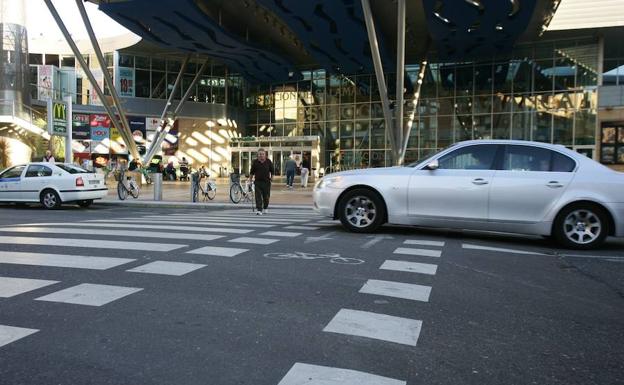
(121, 191)
(134, 189)
(212, 191)
(236, 193)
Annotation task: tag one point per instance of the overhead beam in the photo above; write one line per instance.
(165, 125)
(124, 129)
(84, 65)
(400, 80)
(381, 81)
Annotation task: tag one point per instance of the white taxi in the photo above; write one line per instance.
(51, 184)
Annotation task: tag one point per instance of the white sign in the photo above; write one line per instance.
(45, 82)
(99, 78)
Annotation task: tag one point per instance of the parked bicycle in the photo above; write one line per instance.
(240, 192)
(126, 185)
(204, 191)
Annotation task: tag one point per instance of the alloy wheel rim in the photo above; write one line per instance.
(582, 226)
(360, 211)
(49, 200)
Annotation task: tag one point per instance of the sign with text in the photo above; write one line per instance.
(81, 129)
(125, 81)
(57, 117)
(100, 132)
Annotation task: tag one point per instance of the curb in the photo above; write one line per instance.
(187, 205)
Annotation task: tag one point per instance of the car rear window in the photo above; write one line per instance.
(562, 163)
(70, 168)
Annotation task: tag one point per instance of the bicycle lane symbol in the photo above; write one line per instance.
(333, 258)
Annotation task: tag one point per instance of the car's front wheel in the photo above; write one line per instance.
(581, 226)
(361, 211)
(50, 199)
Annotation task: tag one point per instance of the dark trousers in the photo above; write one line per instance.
(263, 193)
(290, 177)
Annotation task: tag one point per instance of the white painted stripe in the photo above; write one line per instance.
(119, 233)
(281, 234)
(329, 221)
(10, 334)
(10, 286)
(423, 242)
(305, 374)
(218, 251)
(90, 294)
(301, 228)
(249, 219)
(419, 252)
(500, 249)
(255, 241)
(397, 290)
(268, 217)
(238, 224)
(155, 227)
(411, 267)
(167, 268)
(377, 326)
(90, 243)
(61, 260)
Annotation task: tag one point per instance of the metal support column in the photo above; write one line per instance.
(165, 125)
(187, 94)
(400, 79)
(124, 129)
(381, 81)
(408, 127)
(83, 64)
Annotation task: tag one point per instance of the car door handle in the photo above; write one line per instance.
(554, 184)
(479, 181)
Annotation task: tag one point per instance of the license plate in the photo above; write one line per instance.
(94, 182)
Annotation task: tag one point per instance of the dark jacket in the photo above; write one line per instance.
(263, 171)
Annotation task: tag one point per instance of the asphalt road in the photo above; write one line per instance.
(305, 303)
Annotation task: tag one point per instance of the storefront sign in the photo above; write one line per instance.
(125, 81)
(57, 117)
(99, 78)
(137, 127)
(117, 144)
(81, 129)
(100, 133)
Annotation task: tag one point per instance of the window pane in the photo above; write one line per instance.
(469, 158)
(562, 163)
(526, 158)
(14, 172)
(38, 171)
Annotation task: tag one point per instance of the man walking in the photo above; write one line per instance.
(262, 173)
(290, 167)
(305, 171)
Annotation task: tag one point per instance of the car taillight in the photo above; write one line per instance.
(79, 182)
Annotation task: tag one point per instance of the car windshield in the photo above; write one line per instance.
(70, 168)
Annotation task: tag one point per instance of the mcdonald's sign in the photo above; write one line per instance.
(57, 118)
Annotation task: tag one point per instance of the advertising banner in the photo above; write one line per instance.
(117, 144)
(125, 81)
(81, 129)
(99, 78)
(138, 129)
(100, 133)
(57, 117)
(45, 82)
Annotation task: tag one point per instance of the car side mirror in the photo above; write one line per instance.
(433, 165)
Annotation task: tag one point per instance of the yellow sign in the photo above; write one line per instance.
(59, 118)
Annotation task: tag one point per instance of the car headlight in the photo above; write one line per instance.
(328, 182)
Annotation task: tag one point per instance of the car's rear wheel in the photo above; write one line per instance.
(581, 226)
(86, 203)
(361, 211)
(50, 199)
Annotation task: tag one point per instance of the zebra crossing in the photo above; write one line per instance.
(384, 328)
(80, 245)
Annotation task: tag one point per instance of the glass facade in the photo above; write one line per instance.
(544, 92)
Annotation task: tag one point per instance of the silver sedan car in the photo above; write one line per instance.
(491, 185)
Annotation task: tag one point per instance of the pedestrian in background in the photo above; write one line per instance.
(262, 174)
(290, 167)
(305, 171)
(48, 157)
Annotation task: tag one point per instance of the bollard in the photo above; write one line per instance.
(157, 180)
(194, 186)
